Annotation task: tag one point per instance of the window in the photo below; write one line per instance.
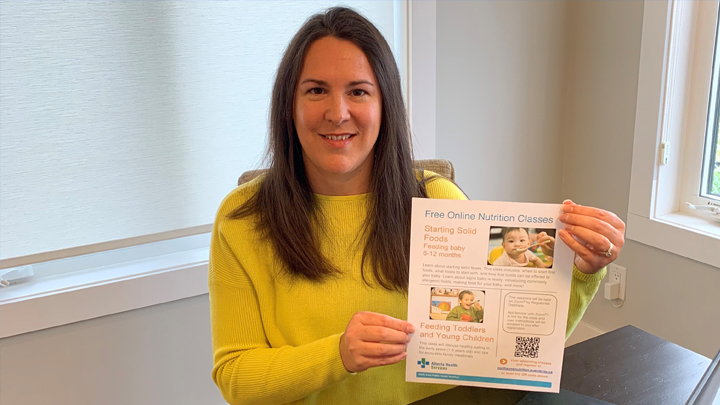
(702, 192)
(672, 202)
(712, 170)
(128, 122)
(123, 125)
(710, 177)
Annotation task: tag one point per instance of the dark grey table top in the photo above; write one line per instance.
(627, 366)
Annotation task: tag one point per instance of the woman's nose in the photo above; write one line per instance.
(337, 112)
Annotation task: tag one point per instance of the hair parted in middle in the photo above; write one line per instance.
(285, 204)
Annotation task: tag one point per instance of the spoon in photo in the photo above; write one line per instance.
(534, 244)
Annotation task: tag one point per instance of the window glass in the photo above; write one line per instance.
(710, 177)
(714, 167)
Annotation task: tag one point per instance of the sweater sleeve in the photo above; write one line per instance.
(442, 188)
(583, 289)
(246, 369)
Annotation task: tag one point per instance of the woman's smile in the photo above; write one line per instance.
(337, 140)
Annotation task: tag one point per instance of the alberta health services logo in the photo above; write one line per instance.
(435, 366)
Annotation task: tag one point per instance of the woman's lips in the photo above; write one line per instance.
(339, 137)
(337, 140)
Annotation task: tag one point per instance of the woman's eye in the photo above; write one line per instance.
(358, 92)
(316, 91)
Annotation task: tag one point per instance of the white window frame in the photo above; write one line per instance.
(701, 113)
(676, 53)
(124, 277)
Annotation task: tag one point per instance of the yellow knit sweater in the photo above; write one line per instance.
(276, 339)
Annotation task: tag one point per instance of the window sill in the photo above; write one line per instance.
(61, 299)
(678, 233)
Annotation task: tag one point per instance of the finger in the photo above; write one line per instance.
(546, 238)
(383, 361)
(589, 256)
(573, 221)
(362, 363)
(544, 235)
(573, 239)
(375, 319)
(382, 349)
(383, 334)
(598, 213)
(593, 240)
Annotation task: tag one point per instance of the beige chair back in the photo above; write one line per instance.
(440, 166)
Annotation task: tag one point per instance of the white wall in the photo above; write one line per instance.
(668, 295)
(422, 77)
(156, 355)
(499, 87)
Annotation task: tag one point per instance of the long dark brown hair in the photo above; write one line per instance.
(285, 206)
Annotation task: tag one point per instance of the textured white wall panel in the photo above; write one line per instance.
(499, 97)
(125, 118)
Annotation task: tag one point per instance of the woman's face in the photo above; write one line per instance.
(337, 114)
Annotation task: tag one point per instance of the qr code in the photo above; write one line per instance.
(527, 346)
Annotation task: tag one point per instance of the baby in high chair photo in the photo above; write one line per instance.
(516, 243)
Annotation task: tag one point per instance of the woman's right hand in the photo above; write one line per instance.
(372, 340)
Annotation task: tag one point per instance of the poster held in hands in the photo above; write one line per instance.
(489, 294)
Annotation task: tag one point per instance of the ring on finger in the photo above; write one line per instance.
(608, 252)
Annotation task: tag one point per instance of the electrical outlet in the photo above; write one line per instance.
(619, 274)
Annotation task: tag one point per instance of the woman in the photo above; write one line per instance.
(309, 264)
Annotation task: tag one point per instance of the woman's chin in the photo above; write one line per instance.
(340, 170)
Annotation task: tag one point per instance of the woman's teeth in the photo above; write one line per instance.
(337, 138)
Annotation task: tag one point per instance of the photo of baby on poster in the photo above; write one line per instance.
(489, 293)
(520, 247)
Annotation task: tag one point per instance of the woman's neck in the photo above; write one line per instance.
(339, 187)
(339, 184)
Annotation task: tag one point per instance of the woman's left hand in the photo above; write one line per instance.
(596, 236)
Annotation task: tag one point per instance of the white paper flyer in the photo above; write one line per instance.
(489, 294)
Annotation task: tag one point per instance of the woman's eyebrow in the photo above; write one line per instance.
(316, 81)
(324, 83)
(355, 83)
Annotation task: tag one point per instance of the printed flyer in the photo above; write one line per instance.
(489, 294)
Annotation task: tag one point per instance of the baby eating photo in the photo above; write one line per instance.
(516, 243)
(468, 310)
